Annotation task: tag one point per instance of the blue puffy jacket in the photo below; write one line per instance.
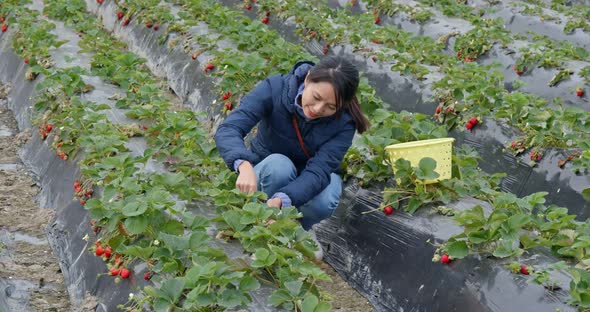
(272, 103)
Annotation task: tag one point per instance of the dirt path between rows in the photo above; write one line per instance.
(30, 277)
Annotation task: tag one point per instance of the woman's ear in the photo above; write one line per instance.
(306, 78)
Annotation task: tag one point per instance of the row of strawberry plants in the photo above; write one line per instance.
(390, 8)
(33, 43)
(483, 190)
(541, 52)
(465, 89)
(125, 189)
(577, 13)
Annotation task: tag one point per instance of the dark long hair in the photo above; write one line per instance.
(344, 77)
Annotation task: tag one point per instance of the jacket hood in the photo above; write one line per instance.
(293, 80)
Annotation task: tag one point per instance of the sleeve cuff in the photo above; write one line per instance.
(237, 164)
(285, 200)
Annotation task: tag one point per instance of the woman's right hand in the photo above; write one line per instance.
(247, 178)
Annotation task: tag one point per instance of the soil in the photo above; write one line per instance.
(30, 276)
(343, 297)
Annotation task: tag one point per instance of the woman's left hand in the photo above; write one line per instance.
(274, 202)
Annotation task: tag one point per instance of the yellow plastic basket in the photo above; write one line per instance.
(440, 150)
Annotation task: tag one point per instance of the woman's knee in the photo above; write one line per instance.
(327, 201)
(275, 169)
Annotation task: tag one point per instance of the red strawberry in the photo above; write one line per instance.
(92, 222)
(459, 53)
(513, 144)
(149, 24)
(248, 7)
(377, 20)
(469, 126)
(374, 58)
(194, 56)
(108, 252)
(115, 271)
(125, 22)
(26, 61)
(264, 20)
(438, 109)
(49, 127)
(78, 189)
(228, 106)
(120, 15)
(82, 202)
(449, 110)
(77, 184)
(474, 121)
(88, 193)
(97, 243)
(327, 45)
(99, 1)
(325, 51)
(579, 92)
(267, 13)
(147, 276)
(524, 270)
(388, 210)
(125, 273)
(467, 60)
(1, 19)
(4, 27)
(313, 34)
(539, 156)
(226, 96)
(445, 259)
(518, 71)
(156, 27)
(99, 251)
(376, 41)
(209, 67)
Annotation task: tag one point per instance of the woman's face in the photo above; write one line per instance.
(318, 99)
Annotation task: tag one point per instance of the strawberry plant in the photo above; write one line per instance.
(585, 73)
(389, 8)
(453, 8)
(480, 39)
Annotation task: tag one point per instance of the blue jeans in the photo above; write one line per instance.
(277, 171)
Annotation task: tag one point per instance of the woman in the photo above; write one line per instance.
(308, 118)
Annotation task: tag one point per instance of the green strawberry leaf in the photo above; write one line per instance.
(136, 225)
(309, 303)
(279, 297)
(173, 227)
(458, 249)
(294, 287)
(161, 305)
(425, 170)
(230, 298)
(143, 253)
(134, 208)
(249, 283)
